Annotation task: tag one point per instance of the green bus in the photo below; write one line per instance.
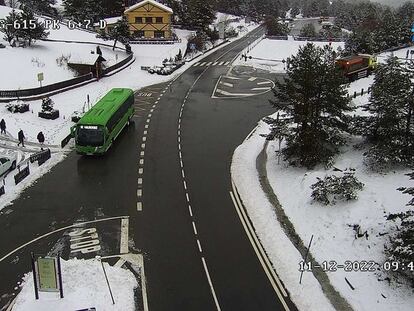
(100, 126)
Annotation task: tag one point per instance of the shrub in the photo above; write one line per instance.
(400, 248)
(333, 188)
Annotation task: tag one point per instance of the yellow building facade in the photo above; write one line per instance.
(149, 19)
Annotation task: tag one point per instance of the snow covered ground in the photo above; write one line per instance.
(74, 100)
(84, 286)
(332, 226)
(268, 54)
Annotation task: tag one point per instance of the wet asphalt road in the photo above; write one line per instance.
(81, 189)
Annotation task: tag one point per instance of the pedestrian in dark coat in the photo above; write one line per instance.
(3, 126)
(21, 137)
(41, 138)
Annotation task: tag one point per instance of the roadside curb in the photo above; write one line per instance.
(334, 297)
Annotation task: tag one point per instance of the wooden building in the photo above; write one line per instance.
(150, 19)
(88, 63)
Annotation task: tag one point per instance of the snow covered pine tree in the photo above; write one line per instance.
(313, 97)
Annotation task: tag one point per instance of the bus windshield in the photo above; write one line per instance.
(90, 136)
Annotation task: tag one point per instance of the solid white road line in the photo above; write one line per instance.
(124, 236)
(59, 230)
(279, 290)
(211, 284)
(260, 247)
(139, 206)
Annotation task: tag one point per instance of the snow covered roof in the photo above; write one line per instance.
(110, 20)
(155, 3)
(85, 59)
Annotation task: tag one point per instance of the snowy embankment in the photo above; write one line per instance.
(333, 227)
(268, 54)
(84, 286)
(283, 255)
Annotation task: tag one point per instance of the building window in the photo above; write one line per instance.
(159, 34)
(138, 20)
(148, 20)
(139, 34)
(158, 20)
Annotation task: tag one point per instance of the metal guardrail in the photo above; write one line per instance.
(320, 39)
(277, 37)
(45, 89)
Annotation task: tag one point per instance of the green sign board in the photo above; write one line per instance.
(40, 77)
(47, 276)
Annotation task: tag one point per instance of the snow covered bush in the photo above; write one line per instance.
(63, 60)
(400, 248)
(333, 188)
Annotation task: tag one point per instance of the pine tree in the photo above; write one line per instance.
(389, 124)
(120, 32)
(308, 31)
(314, 100)
(197, 14)
(274, 28)
(35, 29)
(81, 10)
(400, 248)
(388, 34)
(39, 6)
(9, 31)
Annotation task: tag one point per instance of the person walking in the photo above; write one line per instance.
(21, 138)
(41, 139)
(3, 126)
